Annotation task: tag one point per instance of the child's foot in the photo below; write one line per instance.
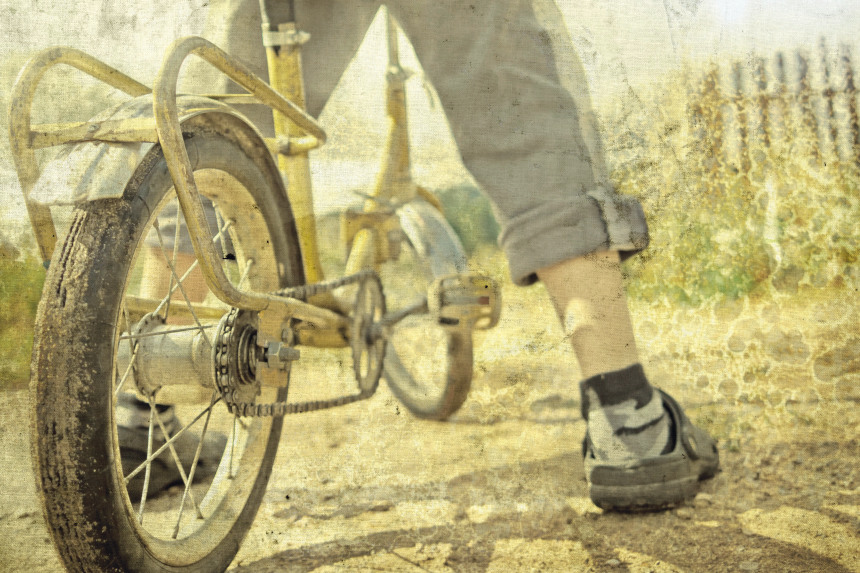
(641, 452)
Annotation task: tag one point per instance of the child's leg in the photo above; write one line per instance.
(625, 415)
(588, 295)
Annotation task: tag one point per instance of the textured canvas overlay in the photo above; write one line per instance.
(735, 125)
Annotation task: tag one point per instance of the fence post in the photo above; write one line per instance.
(743, 125)
(763, 101)
(784, 101)
(851, 94)
(828, 92)
(712, 116)
(808, 120)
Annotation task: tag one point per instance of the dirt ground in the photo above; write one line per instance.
(500, 487)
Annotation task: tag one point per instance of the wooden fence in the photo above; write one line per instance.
(794, 106)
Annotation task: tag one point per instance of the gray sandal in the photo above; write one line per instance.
(658, 482)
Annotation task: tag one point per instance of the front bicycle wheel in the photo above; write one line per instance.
(427, 366)
(101, 291)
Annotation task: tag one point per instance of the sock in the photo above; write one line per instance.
(625, 415)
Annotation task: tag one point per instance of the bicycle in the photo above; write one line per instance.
(225, 357)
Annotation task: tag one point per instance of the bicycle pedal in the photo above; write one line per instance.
(465, 301)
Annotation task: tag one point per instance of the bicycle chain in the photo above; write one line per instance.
(229, 384)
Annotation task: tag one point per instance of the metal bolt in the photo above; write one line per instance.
(278, 355)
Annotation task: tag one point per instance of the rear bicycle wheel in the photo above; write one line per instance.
(96, 298)
(427, 366)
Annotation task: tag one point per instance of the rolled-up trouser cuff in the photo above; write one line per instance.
(556, 231)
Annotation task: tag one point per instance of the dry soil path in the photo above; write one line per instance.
(500, 487)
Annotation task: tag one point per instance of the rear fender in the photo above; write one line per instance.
(433, 239)
(95, 170)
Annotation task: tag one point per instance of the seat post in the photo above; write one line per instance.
(277, 12)
(283, 41)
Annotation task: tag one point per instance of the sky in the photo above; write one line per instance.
(621, 42)
(648, 36)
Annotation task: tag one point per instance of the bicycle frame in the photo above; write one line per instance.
(104, 305)
(368, 232)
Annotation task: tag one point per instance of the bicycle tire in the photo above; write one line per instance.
(81, 317)
(428, 367)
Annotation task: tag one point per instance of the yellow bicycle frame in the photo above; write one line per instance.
(370, 233)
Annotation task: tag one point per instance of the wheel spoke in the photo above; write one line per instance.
(219, 223)
(230, 474)
(164, 332)
(181, 288)
(176, 228)
(191, 268)
(173, 438)
(245, 273)
(187, 490)
(172, 290)
(176, 460)
(127, 325)
(132, 349)
(127, 371)
(148, 464)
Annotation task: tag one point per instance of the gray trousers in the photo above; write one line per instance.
(513, 90)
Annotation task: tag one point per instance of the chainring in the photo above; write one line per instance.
(235, 353)
(367, 343)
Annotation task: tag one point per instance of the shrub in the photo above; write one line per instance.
(731, 212)
(21, 282)
(470, 214)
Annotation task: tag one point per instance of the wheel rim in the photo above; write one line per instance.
(185, 524)
(418, 348)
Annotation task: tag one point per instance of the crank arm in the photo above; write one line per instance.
(382, 329)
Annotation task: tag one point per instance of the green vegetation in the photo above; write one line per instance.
(470, 214)
(20, 288)
(742, 198)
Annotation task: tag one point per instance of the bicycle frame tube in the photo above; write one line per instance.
(170, 136)
(283, 55)
(394, 181)
(370, 230)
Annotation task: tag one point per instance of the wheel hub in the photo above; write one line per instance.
(156, 355)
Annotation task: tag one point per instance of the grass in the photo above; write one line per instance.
(20, 287)
(782, 217)
(786, 227)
